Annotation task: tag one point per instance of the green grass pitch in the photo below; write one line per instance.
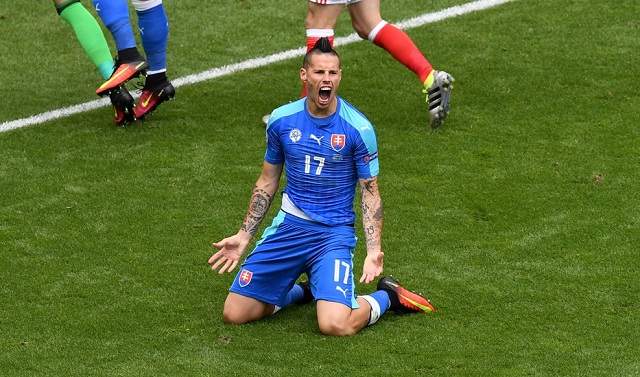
(520, 218)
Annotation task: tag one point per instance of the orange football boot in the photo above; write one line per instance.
(404, 300)
(151, 98)
(122, 74)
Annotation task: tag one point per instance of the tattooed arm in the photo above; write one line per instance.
(372, 219)
(231, 248)
(263, 192)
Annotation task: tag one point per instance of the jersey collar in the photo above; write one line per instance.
(325, 121)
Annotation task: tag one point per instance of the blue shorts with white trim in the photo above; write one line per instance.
(292, 246)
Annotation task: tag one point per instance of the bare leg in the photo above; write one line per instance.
(240, 309)
(366, 20)
(340, 320)
(365, 15)
(322, 16)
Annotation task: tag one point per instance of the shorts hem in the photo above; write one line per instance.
(336, 301)
(254, 296)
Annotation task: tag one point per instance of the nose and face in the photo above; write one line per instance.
(322, 77)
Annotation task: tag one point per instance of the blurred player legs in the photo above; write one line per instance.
(94, 44)
(154, 31)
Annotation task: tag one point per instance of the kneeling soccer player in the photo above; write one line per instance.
(325, 145)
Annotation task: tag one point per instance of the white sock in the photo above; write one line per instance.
(375, 309)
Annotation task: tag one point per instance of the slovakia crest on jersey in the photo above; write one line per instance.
(338, 141)
(245, 277)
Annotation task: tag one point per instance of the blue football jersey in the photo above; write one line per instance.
(323, 158)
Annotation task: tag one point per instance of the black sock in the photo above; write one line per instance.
(155, 80)
(129, 55)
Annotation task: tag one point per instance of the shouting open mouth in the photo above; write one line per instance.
(324, 95)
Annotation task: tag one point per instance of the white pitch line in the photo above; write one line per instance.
(225, 70)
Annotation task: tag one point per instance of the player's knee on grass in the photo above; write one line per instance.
(336, 328)
(234, 317)
(239, 309)
(334, 319)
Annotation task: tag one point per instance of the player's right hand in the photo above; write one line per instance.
(229, 252)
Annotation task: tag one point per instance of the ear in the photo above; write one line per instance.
(303, 74)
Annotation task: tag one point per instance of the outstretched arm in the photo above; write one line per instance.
(372, 219)
(231, 248)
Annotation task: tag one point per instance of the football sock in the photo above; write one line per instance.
(154, 80)
(154, 30)
(115, 16)
(312, 37)
(314, 34)
(296, 294)
(129, 55)
(90, 37)
(379, 302)
(402, 48)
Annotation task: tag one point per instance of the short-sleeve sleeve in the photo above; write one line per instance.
(366, 153)
(274, 154)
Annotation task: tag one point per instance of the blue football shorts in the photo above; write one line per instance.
(292, 246)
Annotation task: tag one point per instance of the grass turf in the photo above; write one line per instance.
(519, 218)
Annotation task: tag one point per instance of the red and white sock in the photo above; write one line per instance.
(314, 34)
(401, 47)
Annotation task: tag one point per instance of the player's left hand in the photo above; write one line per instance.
(372, 266)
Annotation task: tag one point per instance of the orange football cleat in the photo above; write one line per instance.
(404, 300)
(151, 98)
(123, 73)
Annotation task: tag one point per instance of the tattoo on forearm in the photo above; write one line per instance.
(371, 238)
(258, 207)
(370, 186)
(379, 213)
(372, 214)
